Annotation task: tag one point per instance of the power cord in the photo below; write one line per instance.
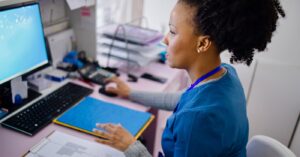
(131, 77)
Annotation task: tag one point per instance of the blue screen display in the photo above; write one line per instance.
(22, 44)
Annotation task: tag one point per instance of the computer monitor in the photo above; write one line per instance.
(23, 48)
(22, 44)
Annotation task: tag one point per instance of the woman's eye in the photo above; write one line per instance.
(172, 32)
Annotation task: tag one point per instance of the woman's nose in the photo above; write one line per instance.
(166, 39)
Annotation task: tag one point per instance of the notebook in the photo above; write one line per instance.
(89, 111)
(59, 144)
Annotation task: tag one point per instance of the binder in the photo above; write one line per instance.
(89, 111)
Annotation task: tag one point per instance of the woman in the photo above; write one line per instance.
(209, 118)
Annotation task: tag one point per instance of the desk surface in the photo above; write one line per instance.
(14, 144)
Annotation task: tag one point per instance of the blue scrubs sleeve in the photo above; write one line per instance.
(198, 133)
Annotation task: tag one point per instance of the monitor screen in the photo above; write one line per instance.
(22, 43)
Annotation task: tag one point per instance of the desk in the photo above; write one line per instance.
(14, 144)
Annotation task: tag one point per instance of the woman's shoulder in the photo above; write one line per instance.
(230, 69)
(230, 78)
(222, 88)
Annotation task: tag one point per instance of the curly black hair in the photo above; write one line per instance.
(241, 26)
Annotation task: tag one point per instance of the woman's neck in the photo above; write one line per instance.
(201, 68)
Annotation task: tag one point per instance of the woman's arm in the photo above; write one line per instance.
(137, 149)
(165, 101)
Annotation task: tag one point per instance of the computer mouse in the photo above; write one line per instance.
(104, 92)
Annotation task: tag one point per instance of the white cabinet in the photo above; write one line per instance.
(274, 101)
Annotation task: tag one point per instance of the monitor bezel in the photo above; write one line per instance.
(44, 66)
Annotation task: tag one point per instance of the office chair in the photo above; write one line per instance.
(263, 146)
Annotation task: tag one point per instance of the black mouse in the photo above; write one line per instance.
(104, 92)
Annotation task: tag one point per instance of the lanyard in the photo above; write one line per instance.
(217, 69)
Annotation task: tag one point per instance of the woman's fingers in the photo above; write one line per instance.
(113, 79)
(108, 127)
(112, 131)
(112, 90)
(116, 136)
(103, 134)
(121, 88)
(106, 142)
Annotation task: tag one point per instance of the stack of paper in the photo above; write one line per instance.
(137, 44)
(59, 144)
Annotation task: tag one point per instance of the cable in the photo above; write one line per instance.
(113, 41)
(294, 131)
(120, 26)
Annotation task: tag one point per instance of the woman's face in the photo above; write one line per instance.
(181, 40)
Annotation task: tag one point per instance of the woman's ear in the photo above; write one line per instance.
(203, 43)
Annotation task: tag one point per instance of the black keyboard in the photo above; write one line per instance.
(38, 115)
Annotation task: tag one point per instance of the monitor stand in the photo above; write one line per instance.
(6, 98)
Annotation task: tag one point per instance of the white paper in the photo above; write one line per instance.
(118, 43)
(60, 144)
(60, 44)
(137, 57)
(75, 4)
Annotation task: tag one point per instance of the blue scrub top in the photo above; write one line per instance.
(210, 121)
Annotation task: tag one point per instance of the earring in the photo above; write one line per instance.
(199, 50)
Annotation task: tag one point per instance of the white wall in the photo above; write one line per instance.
(158, 13)
(285, 46)
(118, 11)
(9, 2)
(274, 101)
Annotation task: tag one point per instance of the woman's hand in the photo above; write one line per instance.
(121, 89)
(115, 136)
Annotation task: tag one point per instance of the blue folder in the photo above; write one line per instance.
(88, 112)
